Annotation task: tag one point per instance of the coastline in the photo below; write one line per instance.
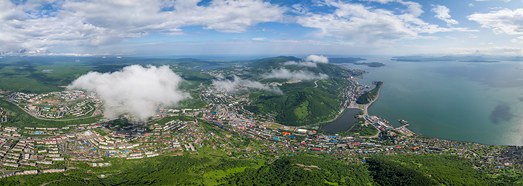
(368, 105)
(340, 113)
(402, 129)
(352, 104)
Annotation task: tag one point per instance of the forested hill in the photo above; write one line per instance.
(289, 170)
(303, 101)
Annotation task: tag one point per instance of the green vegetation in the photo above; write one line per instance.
(219, 169)
(389, 173)
(302, 111)
(192, 103)
(371, 95)
(367, 130)
(429, 170)
(370, 64)
(362, 130)
(20, 118)
(163, 170)
(304, 170)
(47, 74)
(355, 61)
(302, 103)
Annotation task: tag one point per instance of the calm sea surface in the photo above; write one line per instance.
(343, 122)
(479, 102)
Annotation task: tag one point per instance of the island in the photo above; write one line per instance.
(370, 64)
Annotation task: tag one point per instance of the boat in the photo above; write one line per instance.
(403, 122)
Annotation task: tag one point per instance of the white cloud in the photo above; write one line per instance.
(317, 59)
(135, 90)
(442, 13)
(301, 63)
(363, 24)
(309, 61)
(300, 75)
(99, 22)
(226, 85)
(501, 21)
(259, 39)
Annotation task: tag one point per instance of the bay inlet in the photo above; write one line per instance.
(343, 122)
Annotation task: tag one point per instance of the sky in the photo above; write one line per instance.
(257, 27)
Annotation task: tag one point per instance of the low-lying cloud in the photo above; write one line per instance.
(317, 59)
(301, 63)
(134, 90)
(237, 83)
(301, 75)
(310, 61)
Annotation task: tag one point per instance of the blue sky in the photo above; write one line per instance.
(256, 27)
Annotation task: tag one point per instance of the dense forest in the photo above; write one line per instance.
(305, 102)
(305, 169)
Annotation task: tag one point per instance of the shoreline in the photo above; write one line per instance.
(338, 114)
(344, 120)
(402, 129)
(344, 109)
(368, 105)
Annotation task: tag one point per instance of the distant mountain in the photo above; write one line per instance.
(458, 58)
(272, 62)
(346, 60)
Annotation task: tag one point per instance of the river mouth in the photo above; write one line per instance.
(343, 122)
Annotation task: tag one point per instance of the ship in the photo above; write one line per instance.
(404, 122)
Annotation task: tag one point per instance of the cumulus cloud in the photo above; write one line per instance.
(504, 21)
(442, 13)
(310, 61)
(231, 86)
(134, 90)
(300, 75)
(359, 23)
(30, 26)
(301, 63)
(317, 59)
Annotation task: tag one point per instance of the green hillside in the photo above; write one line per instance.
(302, 103)
(292, 170)
(305, 170)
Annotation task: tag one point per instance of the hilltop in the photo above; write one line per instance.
(303, 102)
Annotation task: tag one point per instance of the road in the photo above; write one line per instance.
(48, 119)
(366, 106)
